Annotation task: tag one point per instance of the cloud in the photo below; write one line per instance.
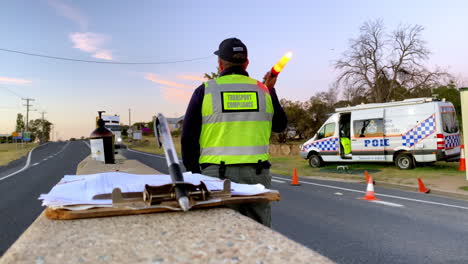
(175, 95)
(154, 78)
(192, 77)
(86, 41)
(92, 43)
(13, 80)
(103, 54)
(173, 92)
(70, 12)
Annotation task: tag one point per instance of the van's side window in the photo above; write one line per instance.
(327, 131)
(368, 128)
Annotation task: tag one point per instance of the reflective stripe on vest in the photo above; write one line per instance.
(236, 121)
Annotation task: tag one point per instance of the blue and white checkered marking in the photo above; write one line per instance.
(330, 144)
(420, 132)
(452, 141)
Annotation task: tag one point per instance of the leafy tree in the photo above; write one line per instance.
(212, 75)
(40, 129)
(319, 111)
(139, 125)
(297, 118)
(451, 94)
(19, 123)
(383, 67)
(125, 130)
(150, 125)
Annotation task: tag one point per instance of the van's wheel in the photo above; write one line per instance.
(404, 161)
(315, 161)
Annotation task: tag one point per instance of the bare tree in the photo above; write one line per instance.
(384, 66)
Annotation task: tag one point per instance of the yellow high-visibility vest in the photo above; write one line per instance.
(237, 112)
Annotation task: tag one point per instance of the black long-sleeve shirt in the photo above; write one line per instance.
(192, 125)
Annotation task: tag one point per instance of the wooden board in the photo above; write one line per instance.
(63, 214)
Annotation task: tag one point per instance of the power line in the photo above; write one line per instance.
(101, 62)
(8, 89)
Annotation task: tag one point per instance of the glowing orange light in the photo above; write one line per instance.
(281, 63)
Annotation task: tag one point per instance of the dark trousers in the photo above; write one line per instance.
(260, 212)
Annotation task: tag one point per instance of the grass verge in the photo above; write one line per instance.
(12, 151)
(148, 144)
(385, 172)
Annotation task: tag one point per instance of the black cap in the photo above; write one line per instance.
(232, 50)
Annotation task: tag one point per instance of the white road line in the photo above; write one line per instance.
(388, 203)
(384, 195)
(277, 181)
(148, 154)
(64, 147)
(87, 144)
(28, 161)
(37, 163)
(25, 166)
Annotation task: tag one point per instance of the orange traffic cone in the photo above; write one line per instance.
(295, 179)
(370, 195)
(422, 188)
(462, 166)
(367, 177)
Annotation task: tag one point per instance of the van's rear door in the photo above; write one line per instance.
(367, 131)
(450, 131)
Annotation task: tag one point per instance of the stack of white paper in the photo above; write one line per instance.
(80, 189)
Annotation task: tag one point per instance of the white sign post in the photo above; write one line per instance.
(137, 135)
(464, 113)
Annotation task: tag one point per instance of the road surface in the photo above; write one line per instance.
(327, 216)
(19, 205)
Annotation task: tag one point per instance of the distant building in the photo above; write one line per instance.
(175, 123)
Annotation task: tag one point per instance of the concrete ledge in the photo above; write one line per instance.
(89, 166)
(205, 236)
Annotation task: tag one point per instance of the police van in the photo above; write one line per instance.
(420, 130)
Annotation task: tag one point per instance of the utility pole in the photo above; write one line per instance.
(27, 110)
(129, 117)
(43, 126)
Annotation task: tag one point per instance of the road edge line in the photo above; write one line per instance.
(28, 161)
(381, 194)
(145, 153)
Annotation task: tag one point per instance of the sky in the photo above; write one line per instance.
(71, 93)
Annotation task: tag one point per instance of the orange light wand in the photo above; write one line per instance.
(278, 67)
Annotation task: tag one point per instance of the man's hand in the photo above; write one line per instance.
(269, 80)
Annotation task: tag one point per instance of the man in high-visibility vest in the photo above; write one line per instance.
(228, 123)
